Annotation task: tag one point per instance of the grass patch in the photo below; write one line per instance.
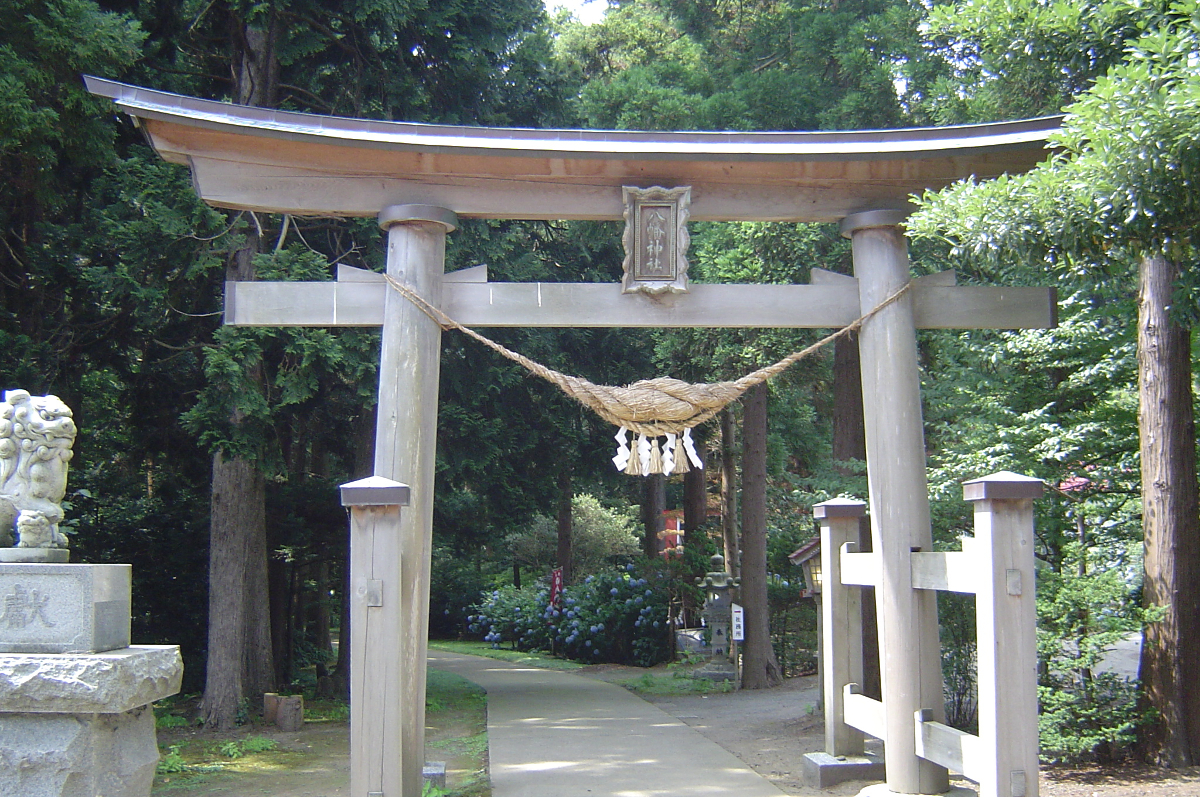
(190, 762)
(667, 685)
(326, 710)
(445, 691)
(675, 680)
(530, 658)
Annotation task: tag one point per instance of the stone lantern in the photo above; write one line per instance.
(718, 587)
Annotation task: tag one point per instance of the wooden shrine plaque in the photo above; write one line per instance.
(656, 239)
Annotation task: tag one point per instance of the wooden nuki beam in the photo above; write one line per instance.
(356, 299)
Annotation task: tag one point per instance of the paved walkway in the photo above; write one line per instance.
(552, 734)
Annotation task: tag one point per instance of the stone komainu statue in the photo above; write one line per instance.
(36, 434)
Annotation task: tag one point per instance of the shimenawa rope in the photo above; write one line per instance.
(651, 408)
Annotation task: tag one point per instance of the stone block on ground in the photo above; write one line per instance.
(289, 713)
(64, 608)
(824, 771)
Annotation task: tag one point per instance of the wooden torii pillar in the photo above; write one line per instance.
(417, 179)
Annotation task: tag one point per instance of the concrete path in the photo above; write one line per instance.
(552, 734)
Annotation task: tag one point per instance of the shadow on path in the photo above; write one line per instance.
(552, 734)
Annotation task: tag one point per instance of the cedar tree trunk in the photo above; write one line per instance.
(654, 503)
(1170, 664)
(563, 523)
(759, 668)
(238, 518)
(729, 494)
(695, 496)
(237, 503)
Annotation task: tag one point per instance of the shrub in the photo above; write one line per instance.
(601, 537)
(1085, 713)
(618, 616)
(455, 583)
(171, 763)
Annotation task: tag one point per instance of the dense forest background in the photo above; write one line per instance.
(111, 277)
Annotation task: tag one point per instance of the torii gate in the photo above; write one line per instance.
(418, 179)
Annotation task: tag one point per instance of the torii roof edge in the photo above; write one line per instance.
(281, 161)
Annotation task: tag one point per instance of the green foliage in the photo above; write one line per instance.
(50, 127)
(172, 763)
(618, 616)
(239, 748)
(231, 749)
(1021, 58)
(326, 710)
(455, 583)
(429, 790)
(678, 681)
(258, 744)
(956, 620)
(746, 66)
(1085, 713)
(1121, 184)
(600, 538)
(168, 721)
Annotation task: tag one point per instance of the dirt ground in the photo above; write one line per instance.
(770, 730)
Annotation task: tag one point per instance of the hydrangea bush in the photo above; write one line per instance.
(616, 616)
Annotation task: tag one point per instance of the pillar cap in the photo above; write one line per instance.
(1004, 485)
(375, 491)
(839, 507)
(399, 214)
(872, 218)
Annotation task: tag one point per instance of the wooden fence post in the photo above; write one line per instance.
(377, 702)
(1006, 613)
(841, 621)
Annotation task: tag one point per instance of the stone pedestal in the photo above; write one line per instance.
(64, 608)
(80, 725)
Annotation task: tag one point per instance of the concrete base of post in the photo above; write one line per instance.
(717, 671)
(881, 790)
(434, 773)
(824, 771)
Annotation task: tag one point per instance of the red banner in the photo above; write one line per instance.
(556, 586)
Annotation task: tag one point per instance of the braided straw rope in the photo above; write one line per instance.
(650, 407)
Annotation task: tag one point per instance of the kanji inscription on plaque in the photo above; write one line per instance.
(656, 239)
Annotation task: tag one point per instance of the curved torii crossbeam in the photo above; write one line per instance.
(419, 178)
(278, 161)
